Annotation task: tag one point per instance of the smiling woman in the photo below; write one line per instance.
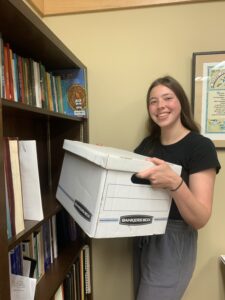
(57, 7)
(164, 264)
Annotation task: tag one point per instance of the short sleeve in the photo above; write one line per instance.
(203, 156)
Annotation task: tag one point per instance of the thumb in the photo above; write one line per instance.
(156, 161)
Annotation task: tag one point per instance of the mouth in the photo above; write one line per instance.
(162, 116)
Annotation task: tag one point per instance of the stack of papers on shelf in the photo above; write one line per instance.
(22, 288)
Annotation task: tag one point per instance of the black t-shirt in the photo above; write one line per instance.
(194, 153)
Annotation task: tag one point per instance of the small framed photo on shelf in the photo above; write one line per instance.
(208, 94)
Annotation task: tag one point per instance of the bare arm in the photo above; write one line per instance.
(194, 202)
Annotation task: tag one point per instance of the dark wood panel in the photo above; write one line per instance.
(30, 37)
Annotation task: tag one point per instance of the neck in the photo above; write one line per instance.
(171, 136)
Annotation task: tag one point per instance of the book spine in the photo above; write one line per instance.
(8, 217)
(16, 179)
(9, 183)
(6, 73)
(21, 80)
(46, 246)
(87, 269)
(11, 83)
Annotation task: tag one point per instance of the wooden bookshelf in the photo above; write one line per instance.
(29, 37)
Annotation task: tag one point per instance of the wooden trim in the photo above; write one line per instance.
(56, 7)
(38, 5)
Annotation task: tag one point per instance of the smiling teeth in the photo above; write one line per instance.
(163, 115)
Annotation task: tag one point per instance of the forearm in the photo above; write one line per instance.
(194, 202)
(193, 211)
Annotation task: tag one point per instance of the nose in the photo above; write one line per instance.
(161, 103)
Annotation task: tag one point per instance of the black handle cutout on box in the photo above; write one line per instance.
(137, 180)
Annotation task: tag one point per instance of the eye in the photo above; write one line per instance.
(152, 101)
(168, 98)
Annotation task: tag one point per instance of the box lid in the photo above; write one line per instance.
(111, 158)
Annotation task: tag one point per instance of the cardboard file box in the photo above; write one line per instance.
(98, 188)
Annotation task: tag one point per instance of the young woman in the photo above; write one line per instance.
(163, 264)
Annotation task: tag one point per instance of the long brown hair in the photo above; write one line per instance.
(186, 115)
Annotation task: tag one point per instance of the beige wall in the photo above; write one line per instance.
(124, 51)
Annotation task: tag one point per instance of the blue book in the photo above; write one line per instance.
(8, 218)
(74, 91)
(16, 260)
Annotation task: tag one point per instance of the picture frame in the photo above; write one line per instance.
(208, 94)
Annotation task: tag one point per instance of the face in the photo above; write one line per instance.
(164, 106)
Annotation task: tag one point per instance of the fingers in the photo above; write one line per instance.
(156, 161)
(148, 172)
(145, 173)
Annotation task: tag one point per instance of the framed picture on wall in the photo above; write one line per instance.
(208, 94)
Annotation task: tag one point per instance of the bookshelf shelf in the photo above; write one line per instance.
(29, 37)
(11, 106)
(57, 272)
(50, 206)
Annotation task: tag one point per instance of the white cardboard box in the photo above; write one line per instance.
(96, 188)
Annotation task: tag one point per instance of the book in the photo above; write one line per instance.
(46, 245)
(49, 91)
(54, 91)
(15, 259)
(16, 180)
(8, 217)
(9, 184)
(73, 91)
(22, 287)
(37, 85)
(11, 73)
(2, 82)
(11, 84)
(6, 72)
(51, 240)
(78, 281)
(59, 93)
(63, 235)
(15, 76)
(31, 82)
(54, 236)
(75, 281)
(20, 79)
(25, 80)
(32, 201)
(67, 286)
(82, 282)
(59, 295)
(43, 84)
(40, 249)
(35, 254)
(87, 269)
(72, 226)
